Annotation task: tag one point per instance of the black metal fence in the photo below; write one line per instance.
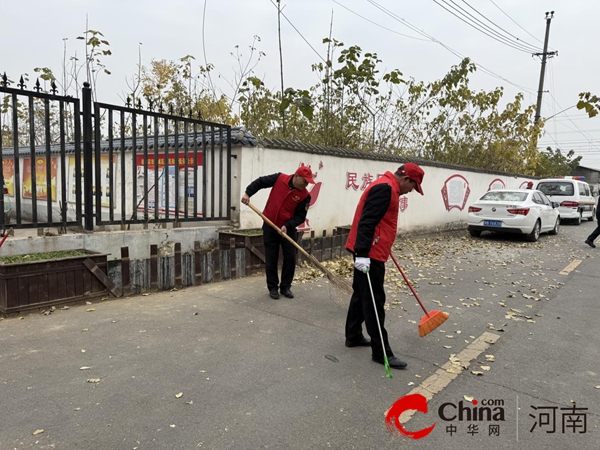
(34, 130)
(70, 162)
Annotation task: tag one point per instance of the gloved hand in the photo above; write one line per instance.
(362, 264)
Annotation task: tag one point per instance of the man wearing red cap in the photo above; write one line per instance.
(286, 207)
(371, 237)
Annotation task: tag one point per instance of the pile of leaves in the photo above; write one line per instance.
(343, 267)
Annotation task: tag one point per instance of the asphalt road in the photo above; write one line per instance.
(223, 366)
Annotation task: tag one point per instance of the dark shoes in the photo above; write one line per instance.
(394, 362)
(590, 243)
(274, 293)
(361, 343)
(287, 293)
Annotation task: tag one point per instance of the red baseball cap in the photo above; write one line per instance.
(415, 173)
(306, 173)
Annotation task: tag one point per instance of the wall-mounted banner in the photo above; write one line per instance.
(41, 188)
(8, 171)
(455, 192)
(163, 175)
(106, 190)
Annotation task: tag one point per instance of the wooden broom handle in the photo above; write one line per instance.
(266, 219)
(409, 285)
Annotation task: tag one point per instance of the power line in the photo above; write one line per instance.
(454, 52)
(574, 124)
(575, 131)
(479, 29)
(476, 24)
(537, 39)
(552, 90)
(381, 26)
(498, 26)
(313, 49)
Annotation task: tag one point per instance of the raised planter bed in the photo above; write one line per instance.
(42, 283)
(250, 239)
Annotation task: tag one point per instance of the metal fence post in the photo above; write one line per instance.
(88, 198)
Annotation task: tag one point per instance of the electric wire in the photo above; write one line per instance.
(381, 26)
(297, 31)
(465, 19)
(552, 90)
(515, 22)
(451, 50)
(575, 125)
(499, 27)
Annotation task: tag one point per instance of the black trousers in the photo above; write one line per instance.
(273, 241)
(595, 233)
(361, 309)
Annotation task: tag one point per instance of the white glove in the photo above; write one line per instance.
(362, 264)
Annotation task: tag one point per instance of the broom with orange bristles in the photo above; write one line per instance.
(431, 320)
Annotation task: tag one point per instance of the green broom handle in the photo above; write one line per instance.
(409, 285)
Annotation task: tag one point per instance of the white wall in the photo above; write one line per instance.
(336, 203)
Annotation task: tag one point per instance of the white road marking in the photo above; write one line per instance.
(448, 372)
(570, 268)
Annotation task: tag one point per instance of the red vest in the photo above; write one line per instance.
(282, 201)
(386, 230)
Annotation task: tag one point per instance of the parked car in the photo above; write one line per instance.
(574, 196)
(520, 211)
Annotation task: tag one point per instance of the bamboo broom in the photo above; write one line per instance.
(338, 282)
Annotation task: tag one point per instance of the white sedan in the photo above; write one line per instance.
(519, 211)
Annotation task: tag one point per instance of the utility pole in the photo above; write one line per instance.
(545, 54)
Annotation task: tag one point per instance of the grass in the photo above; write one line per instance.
(42, 256)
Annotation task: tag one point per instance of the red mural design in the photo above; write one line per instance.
(455, 192)
(497, 184)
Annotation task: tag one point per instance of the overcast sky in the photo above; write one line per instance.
(32, 33)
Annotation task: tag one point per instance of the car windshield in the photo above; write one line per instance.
(556, 188)
(504, 196)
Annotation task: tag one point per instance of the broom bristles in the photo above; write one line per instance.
(431, 322)
(337, 281)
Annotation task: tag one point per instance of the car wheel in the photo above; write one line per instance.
(591, 218)
(535, 233)
(556, 227)
(475, 233)
(578, 220)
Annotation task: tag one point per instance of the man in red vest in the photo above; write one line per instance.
(286, 207)
(370, 240)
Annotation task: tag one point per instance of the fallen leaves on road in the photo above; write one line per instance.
(39, 431)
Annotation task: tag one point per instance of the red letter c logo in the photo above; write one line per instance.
(415, 402)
